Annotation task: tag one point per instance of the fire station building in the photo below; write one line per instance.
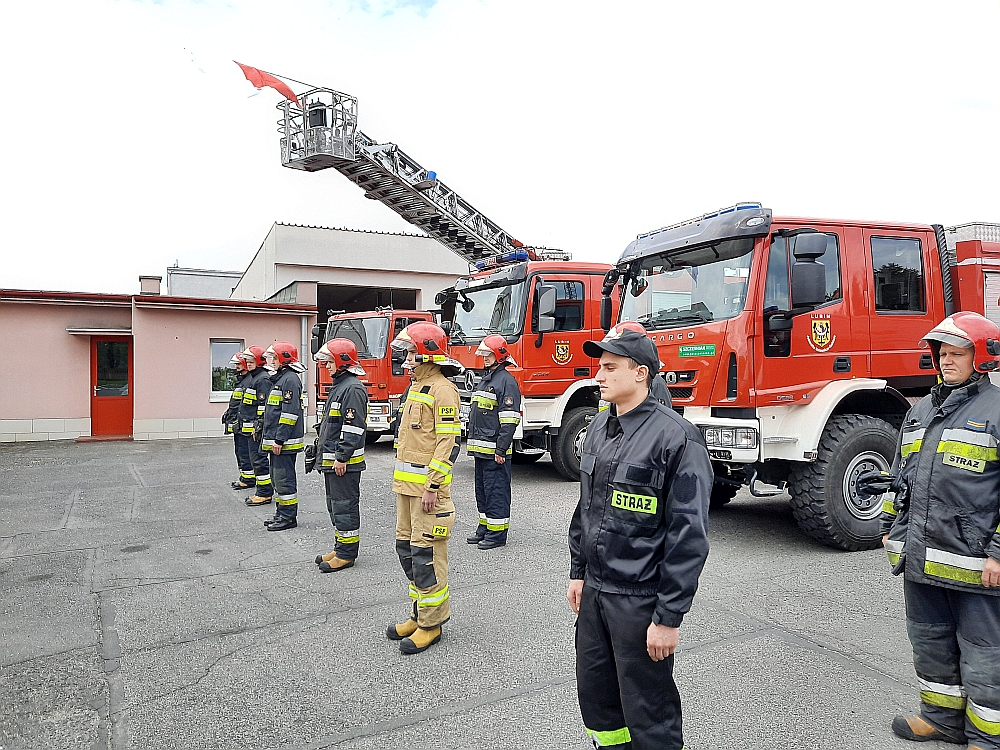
(149, 366)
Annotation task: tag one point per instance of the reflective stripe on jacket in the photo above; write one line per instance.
(943, 521)
(429, 433)
(641, 526)
(232, 413)
(494, 414)
(342, 433)
(284, 421)
(254, 396)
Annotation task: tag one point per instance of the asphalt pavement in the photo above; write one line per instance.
(143, 606)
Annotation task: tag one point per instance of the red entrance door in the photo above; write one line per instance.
(111, 385)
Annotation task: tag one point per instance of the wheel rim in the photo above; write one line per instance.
(578, 444)
(864, 510)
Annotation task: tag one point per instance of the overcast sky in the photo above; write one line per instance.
(130, 140)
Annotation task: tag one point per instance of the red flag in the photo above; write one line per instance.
(260, 79)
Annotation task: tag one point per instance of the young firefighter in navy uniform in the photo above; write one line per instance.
(284, 431)
(941, 533)
(493, 417)
(341, 451)
(251, 415)
(231, 419)
(638, 542)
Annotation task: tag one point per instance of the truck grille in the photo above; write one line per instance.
(681, 392)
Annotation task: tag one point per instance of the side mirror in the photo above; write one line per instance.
(440, 298)
(808, 275)
(545, 306)
(468, 304)
(398, 358)
(317, 330)
(314, 343)
(606, 313)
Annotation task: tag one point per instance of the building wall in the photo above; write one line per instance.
(195, 282)
(172, 384)
(50, 398)
(173, 367)
(339, 256)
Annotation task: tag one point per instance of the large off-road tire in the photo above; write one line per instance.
(722, 492)
(824, 501)
(569, 442)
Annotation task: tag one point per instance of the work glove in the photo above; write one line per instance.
(874, 483)
(311, 452)
(258, 430)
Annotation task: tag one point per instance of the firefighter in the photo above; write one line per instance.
(251, 415)
(941, 533)
(284, 431)
(231, 420)
(493, 417)
(430, 436)
(341, 451)
(638, 541)
(657, 386)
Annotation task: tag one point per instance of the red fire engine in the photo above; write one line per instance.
(385, 380)
(792, 343)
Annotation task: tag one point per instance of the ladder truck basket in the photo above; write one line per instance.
(319, 133)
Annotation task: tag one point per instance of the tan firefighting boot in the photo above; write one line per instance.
(335, 564)
(917, 729)
(401, 630)
(420, 640)
(325, 558)
(253, 502)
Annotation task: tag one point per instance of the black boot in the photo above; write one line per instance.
(490, 544)
(282, 524)
(478, 536)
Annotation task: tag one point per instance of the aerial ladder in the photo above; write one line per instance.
(322, 133)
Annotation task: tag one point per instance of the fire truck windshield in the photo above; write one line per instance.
(368, 334)
(498, 309)
(690, 287)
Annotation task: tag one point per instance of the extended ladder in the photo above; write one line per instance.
(323, 133)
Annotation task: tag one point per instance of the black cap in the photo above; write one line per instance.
(628, 343)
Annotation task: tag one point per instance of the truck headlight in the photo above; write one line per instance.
(730, 437)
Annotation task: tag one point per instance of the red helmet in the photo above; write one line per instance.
(428, 341)
(284, 352)
(497, 345)
(969, 330)
(626, 325)
(343, 352)
(253, 354)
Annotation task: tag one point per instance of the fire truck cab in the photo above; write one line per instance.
(385, 380)
(546, 309)
(793, 344)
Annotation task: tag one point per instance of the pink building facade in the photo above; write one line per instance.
(67, 355)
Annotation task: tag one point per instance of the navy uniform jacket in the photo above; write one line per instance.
(943, 521)
(284, 422)
(255, 394)
(494, 414)
(641, 526)
(342, 433)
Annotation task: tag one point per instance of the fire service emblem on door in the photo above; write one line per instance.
(562, 354)
(821, 338)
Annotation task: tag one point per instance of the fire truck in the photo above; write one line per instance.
(792, 343)
(385, 380)
(546, 309)
(542, 302)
